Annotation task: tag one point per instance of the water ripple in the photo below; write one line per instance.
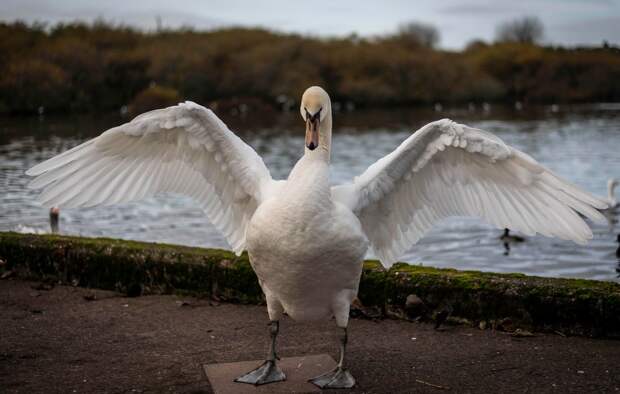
(582, 146)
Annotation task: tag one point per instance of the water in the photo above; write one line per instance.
(580, 143)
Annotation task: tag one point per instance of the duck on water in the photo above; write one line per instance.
(306, 239)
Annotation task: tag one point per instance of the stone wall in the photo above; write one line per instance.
(502, 301)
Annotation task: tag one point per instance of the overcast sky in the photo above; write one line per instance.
(567, 22)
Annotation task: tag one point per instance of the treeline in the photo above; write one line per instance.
(78, 67)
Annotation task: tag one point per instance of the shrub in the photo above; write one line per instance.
(154, 97)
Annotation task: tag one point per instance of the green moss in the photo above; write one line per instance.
(578, 306)
(234, 279)
(372, 284)
(571, 305)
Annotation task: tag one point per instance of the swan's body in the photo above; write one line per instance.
(306, 240)
(307, 249)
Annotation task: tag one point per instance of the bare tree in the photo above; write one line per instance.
(527, 30)
(419, 34)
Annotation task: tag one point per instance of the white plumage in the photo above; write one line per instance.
(448, 169)
(306, 241)
(184, 149)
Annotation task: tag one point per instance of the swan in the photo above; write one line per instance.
(612, 210)
(306, 239)
(611, 193)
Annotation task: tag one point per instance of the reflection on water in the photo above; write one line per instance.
(578, 143)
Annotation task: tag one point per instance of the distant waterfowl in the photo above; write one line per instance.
(54, 216)
(508, 239)
(612, 210)
(306, 240)
(611, 193)
(618, 250)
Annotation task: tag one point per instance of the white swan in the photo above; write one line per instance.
(306, 241)
(611, 193)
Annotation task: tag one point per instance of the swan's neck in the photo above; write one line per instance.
(311, 173)
(323, 151)
(308, 182)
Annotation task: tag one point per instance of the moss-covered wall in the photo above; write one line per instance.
(571, 306)
(129, 266)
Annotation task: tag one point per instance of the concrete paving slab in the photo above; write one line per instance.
(297, 370)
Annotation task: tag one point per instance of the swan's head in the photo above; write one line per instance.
(611, 184)
(315, 106)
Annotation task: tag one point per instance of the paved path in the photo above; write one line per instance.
(59, 341)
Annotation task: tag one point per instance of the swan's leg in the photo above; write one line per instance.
(269, 371)
(339, 377)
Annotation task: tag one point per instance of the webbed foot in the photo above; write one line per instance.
(339, 378)
(268, 372)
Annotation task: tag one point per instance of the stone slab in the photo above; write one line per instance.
(297, 370)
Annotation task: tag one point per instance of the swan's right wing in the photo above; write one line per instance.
(183, 149)
(448, 169)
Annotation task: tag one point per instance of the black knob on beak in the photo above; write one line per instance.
(312, 129)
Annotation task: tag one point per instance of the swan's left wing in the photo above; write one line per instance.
(448, 169)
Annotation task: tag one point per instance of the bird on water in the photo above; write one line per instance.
(508, 239)
(306, 240)
(611, 193)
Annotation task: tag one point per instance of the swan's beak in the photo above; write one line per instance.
(312, 131)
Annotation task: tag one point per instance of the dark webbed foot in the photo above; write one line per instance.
(339, 378)
(268, 372)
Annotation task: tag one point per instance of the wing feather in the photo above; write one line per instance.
(182, 149)
(447, 169)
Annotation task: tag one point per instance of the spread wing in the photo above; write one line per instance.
(448, 169)
(183, 149)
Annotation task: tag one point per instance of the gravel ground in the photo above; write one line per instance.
(74, 340)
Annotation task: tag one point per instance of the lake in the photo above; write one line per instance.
(580, 143)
